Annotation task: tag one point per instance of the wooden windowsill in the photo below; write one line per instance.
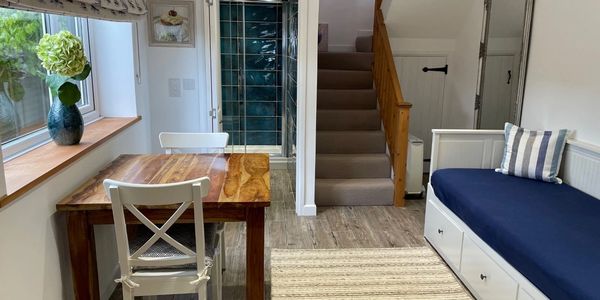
(25, 172)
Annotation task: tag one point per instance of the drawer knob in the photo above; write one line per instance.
(440, 231)
(483, 277)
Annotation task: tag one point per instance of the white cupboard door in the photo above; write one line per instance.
(498, 93)
(425, 90)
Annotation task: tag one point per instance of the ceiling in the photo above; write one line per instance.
(445, 18)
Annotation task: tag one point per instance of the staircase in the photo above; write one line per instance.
(352, 165)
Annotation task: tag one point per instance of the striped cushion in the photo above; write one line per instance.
(533, 154)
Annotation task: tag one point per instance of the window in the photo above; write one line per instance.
(24, 96)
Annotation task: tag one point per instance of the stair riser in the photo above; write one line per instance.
(332, 168)
(354, 195)
(345, 61)
(344, 99)
(345, 80)
(348, 120)
(364, 44)
(347, 143)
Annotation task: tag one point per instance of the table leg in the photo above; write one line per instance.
(255, 254)
(83, 256)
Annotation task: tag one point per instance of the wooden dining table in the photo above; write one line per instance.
(240, 192)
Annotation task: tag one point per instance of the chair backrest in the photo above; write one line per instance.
(177, 140)
(130, 195)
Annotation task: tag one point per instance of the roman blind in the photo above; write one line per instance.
(114, 10)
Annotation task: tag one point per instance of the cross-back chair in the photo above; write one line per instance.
(173, 142)
(167, 260)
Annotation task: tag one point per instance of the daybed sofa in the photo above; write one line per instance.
(508, 237)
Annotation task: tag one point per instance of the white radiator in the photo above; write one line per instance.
(414, 166)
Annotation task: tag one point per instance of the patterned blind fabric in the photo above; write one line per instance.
(114, 10)
(533, 154)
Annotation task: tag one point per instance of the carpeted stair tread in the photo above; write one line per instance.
(345, 79)
(354, 192)
(346, 61)
(350, 142)
(363, 119)
(352, 166)
(340, 166)
(346, 99)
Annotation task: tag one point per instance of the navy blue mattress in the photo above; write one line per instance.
(550, 233)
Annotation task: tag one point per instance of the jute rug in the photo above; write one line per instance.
(400, 273)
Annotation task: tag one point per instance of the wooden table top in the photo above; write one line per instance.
(237, 180)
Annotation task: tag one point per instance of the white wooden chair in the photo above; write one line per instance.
(170, 141)
(161, 264)
(176, 141)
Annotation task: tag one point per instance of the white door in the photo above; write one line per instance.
(213, 62)
(497, 96)
(425, 90)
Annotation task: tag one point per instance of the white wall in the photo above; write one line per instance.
(422, 46)
(430, 19)
(563, 83)
(34, 255)
(461, 87)
(347, 19)
(188, 113)
(308, 14)
(116, 101)
(455, 34)
(33, 252)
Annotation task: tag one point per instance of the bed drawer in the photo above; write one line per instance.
(486, 278)
(445, 236)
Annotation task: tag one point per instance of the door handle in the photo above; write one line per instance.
(439, 69)
(509, 77)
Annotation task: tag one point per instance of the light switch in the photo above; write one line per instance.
(189, 84)
(174, 87)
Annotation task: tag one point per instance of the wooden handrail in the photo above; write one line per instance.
(394, 110)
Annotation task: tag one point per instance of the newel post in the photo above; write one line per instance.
(400, 152)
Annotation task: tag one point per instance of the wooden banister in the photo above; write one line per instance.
(394, 110)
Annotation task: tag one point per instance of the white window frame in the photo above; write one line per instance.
(90, 111)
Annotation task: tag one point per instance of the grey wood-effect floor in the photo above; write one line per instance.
(333, 227)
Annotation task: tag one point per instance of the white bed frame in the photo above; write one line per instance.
(485, 273)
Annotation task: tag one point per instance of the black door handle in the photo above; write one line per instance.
(509, 77)
(440, 69)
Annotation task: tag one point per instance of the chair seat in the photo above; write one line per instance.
(184, 234)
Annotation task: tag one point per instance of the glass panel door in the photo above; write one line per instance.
(251, 75)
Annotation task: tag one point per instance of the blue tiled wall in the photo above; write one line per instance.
(251, 53)
(291, 56)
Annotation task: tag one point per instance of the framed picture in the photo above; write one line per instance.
(171, 23)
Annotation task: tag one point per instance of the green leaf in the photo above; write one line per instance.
(69, 93)
(16, 92)
(84, 74)
(55, 81)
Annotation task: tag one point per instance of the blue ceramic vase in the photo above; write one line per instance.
(65, 123)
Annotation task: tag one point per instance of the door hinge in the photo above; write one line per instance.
(213, 113)
(482, 49)
(477, 102)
